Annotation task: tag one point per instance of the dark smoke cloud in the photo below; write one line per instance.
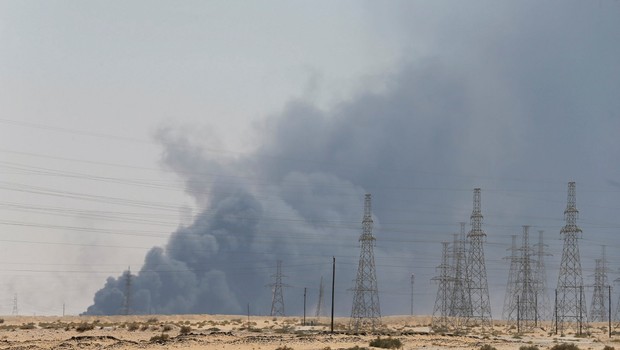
(498, 116)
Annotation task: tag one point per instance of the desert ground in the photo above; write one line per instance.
(266, 333)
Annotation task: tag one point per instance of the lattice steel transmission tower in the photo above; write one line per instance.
(478, 286)
(365, 312)
(277, 300)
(460, 303)
(599, 305)
(528, 317)
(320, 306)
(127, 298)
(15, 309)
(571, 301)
(442, 301)
(542, 294)
(509, 312)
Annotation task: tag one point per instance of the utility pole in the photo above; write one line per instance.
(412, 281)
(609, 306)
(478, 286)
(304, 323)
(365, 312)
(333, 289)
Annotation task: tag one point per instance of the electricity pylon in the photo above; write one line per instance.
(509, 312)
(460, 303)
(127, 298)
(542, 294)
(478, 286)
(321, 304)
(441, 310)
(526, 308)
(15, 309)
(277, 300)
(571, 302)
(599, 305)
(365, 313)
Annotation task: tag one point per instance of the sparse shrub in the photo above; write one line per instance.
(160, 338)
(166, 328)
(386, 343)
(28, 326)
(607, 347)
(529, 347)
(565, 346)
(133, 327)
(144, 327)
(185, 330)
(1, 320)
(355, 348)
(284, 347)
(152, 320)
(84, 326)
(487, 347)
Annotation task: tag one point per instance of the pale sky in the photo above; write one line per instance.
(110, 110)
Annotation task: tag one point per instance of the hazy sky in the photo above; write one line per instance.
(123, 122)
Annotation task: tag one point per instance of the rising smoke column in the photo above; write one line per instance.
(301, 200)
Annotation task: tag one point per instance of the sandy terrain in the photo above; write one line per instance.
(265, 333)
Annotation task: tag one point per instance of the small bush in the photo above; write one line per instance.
(166, 328)
(161, 338)
(355, 348)
(152, 320)
(487, 347)
(1, 320)
(565, 346)
(284, 348)
(607, 347)
(529, 347)
(28, 326)
(133, 327)
(185, 330)
(82, 327)
(386, 343)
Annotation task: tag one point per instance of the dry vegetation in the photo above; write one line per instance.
(267, 333)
